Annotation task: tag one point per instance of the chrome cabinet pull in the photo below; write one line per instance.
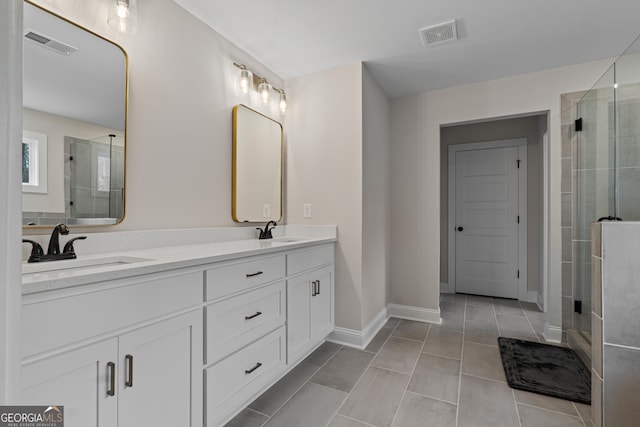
(111, 390)
(248, 371)
(257, 273)
(258, 313)
(129, 381)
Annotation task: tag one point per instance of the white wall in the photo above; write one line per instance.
(181, 93)
(376, 202)
(415, 169)
(324, 168)
(56, 128)
(10, 194)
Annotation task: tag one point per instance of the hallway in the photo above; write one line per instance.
(417, 374)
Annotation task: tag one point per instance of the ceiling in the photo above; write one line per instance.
(496, 38)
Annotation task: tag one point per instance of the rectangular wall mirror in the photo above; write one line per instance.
(257, 167)
(74, 123)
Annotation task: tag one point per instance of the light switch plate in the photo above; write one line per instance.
(306, 210)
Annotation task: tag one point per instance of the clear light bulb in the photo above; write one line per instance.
(122, 9)
(264, 89)
(246, 80)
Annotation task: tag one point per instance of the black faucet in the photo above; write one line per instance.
(266, 233)
(53, 251)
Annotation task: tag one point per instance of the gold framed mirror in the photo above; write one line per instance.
(74, 123)
(257, 167)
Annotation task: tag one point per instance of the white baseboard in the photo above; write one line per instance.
(552, 333)
(414, 313)
(361, 339)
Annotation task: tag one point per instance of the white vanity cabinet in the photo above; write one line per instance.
(120, 354)
(245, 314)
(310, 300)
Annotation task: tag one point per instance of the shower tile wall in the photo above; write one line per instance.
(615, 314)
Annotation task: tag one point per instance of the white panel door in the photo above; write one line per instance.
(487, 222)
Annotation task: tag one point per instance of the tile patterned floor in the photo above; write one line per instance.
(417, 374)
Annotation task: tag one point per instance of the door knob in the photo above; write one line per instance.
(460, 228)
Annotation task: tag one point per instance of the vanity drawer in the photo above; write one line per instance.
(231, 278)
(235, 322)
(62, 321)
(239, 377)
(308, 259)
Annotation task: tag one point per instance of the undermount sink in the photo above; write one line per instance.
(78, 264)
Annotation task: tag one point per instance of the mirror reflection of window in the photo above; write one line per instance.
(104, 172)
(34, 162)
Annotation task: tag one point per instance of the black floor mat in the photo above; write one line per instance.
(545, 369)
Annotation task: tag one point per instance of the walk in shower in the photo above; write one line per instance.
(607, 167)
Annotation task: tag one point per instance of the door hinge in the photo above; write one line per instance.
(578, 125)
(518, 162)
(577, 306)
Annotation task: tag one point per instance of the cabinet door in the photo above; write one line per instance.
(298, 317)
(158, 378)
(80, 380)
(321, 305)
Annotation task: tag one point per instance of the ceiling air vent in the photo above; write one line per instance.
(439, 33)
(49, 43)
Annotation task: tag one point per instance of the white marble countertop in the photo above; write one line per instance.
(53, 275)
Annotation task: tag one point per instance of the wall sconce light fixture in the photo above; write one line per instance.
(122, 15)
(249, 80)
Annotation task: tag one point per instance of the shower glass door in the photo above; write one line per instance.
(594, 183)
(607, 166)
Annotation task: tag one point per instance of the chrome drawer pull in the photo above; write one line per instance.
(258, 313)
(253, 369)
(254, 274)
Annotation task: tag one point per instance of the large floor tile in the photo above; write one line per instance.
(515, 327)
(344, 369)
(411, 330)
(437, 377)
(453, 321)
(416, 410)
(247, 418)
(313, 406)
(443, 342)
(486, 403)
(546, 402)
(479, 301)
(483, 314)
(536, 417)
(376, 397)
(381, 337)
(398, 354)
(276, 396)
(481, 332)
(322, 354)
(342, 421)
(507, 306)
(482, 361)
